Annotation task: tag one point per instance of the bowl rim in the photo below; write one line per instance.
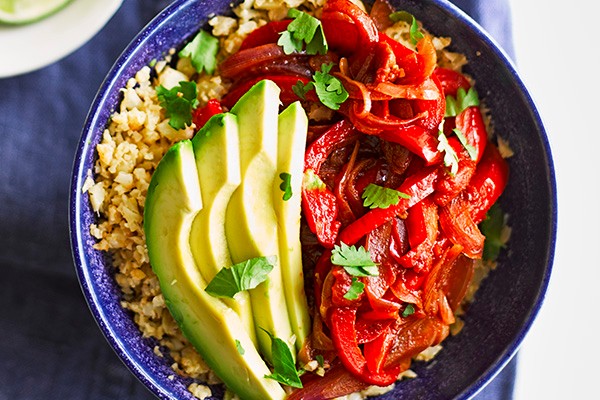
(79, 175)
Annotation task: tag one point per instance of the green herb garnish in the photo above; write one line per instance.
(301, 89)
(286, 185)
(329, 89)
(492, 227)
(320, 360)
(463, 140)
(376, 196)
(450, 157)
(356, 261)
(304, 29)
(409, 310)
(178, 103)
(243, 276)
(202, 51)
(415, 33)
(239, 347)
(355, 290)
(463, 100)
(284, 367)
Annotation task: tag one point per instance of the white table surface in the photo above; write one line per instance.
(558, 58)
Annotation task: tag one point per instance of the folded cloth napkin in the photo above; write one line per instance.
(51, 347)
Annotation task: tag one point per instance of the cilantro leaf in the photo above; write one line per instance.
(320, 360)
(462, 101)
(301, 89)
(239, 347)
(312, 181)
(243, 276)
(329, 89)
(376, 196)
(355, 290)
(202, 51)
(178, 102)
(286, 185)
(492, 227)
(283, 363)
(304, 29)
(357, 262)
(415, 33)
(450, 157)
(409, 310)
(463, 140)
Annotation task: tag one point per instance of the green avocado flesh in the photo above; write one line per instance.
(216, 201)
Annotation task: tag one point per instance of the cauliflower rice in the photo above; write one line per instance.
(135, 140)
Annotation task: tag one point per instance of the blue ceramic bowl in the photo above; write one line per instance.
(510, 297)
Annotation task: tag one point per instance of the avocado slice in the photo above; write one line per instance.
(293, 127)
(216, 149)
(173, 201)
(250, 222)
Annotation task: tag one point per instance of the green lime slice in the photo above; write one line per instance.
(18, 12)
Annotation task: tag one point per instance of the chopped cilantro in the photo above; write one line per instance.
(376, 196)
(283, 363)
(320, 360)
(202, 51)
(463, 140)
(463, 100)
(239, 347)
(329, 89)
(409, 310)
(415, 33)
(286, 185)
(304, 29)
(312, 181)
(492, 227)
(178, 102)
(357, 262)
(301, 89)
(243, 276)
(450, 157)
(355, 290)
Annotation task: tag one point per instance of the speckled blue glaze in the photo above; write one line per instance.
(510, 297)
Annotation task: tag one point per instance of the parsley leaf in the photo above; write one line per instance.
(243, 276)
(409, 310)
(415, 33)
(178, 103)
(301, 89)
(312, 181)
(450, 157)
(376, 196)
(239, 347)
(303, 29)
(286, 185)
(283, 363)
(463, 100)
(492, 227)
(355, 290)
(357, 262)
(329, 89)
(202, 51)
(463, 140)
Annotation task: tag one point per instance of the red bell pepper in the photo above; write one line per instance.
(417, 187)
(268, 33)
(451, 81)
(487, 184)
(201, 115)
(320, 209)
(285, 83)
(470, 123)
(377, 351)
(458, 225)
(416, 139)
(338, 135)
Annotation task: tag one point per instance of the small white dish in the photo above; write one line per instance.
(30, 47)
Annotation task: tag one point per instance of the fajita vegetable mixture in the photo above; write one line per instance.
(300, 201)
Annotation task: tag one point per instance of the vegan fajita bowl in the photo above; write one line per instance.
(393, 177)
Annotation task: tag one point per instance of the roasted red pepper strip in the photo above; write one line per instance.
(451, 81)
(458, 225)
(335, 137)
(285, 83)
(417, 186)
(320, 209)
(470, 123)
(487, 184)
(377, 351)
(268, 33)
(416, 139)
(201, 115)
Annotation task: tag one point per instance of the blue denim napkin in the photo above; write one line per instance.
(51, 347)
